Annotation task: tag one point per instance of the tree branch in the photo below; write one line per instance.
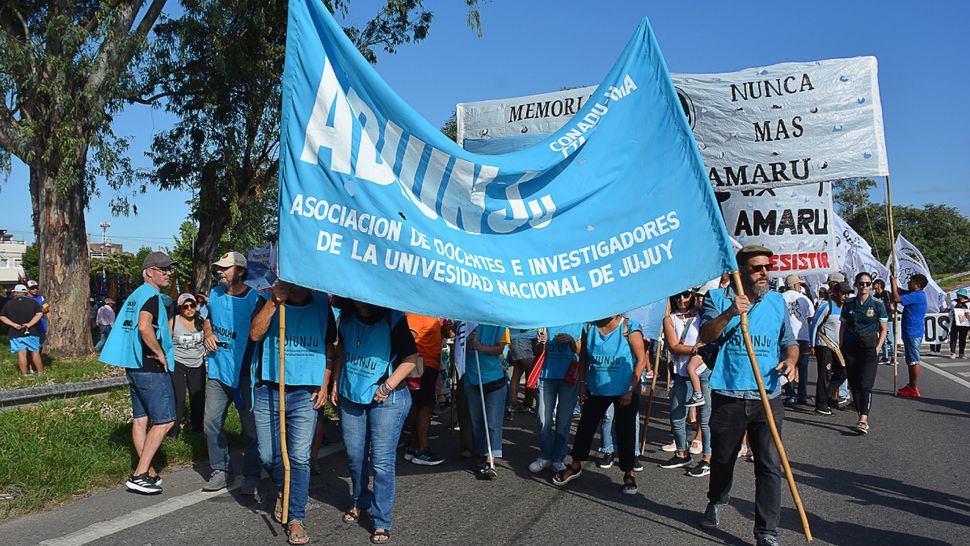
(10, 132)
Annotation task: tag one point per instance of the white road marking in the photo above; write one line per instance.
(946, 374)
(951, 364)
(100, 530)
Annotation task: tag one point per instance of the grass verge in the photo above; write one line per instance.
(64, 449)
(56, 370)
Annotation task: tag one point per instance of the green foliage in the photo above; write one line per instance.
(181, 253)
(31, 261)
(450, 128)
(116, 266)
(851, 194)
(941, 233)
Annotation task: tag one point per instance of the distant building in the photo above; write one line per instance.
(100, 250)
(11, 260)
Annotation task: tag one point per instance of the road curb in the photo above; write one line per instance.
(14, 398)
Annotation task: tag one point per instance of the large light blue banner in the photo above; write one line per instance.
(609, 213)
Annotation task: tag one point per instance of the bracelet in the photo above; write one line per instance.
(385, 390)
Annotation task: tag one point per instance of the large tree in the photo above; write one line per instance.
(64, 67)
(219, 68)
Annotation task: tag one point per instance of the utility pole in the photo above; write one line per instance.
(104, 234)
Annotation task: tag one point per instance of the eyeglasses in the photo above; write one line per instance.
(760, 267)
(863, 283)
(188, 305)
(163, 270)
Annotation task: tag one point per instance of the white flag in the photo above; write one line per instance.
(911, 261)
(855, 253)
(462, 331)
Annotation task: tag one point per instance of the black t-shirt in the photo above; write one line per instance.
(21, 310)
(149, 363)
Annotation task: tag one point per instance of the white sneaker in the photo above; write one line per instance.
(558, 467)
(671, 447)
(696, 447)
(539, 465)
(953, 356)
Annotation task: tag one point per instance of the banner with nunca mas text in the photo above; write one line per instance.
(783, 124)
(611, 212)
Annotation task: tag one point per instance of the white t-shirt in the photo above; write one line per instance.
(800, 313)
(693, 327)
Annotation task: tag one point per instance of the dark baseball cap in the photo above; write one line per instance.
(156, 259)
(748, 251)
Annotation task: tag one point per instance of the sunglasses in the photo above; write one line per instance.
(863, 283)
(188, 305)
(760, 267)
(163, 270)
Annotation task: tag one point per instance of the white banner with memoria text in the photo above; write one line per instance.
(784, 124)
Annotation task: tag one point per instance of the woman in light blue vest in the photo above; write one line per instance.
(558, 389)
(612, 359)
(375, 353)
(484, 375)
(310, 335)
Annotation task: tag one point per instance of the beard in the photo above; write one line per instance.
(757, 290)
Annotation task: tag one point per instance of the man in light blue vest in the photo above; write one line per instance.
(231, 304)
(737, 406)
(311, 332)
(142, 343)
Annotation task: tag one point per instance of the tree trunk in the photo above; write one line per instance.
(214, 217)
(63, 252)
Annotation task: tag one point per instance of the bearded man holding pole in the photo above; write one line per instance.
(742, 401)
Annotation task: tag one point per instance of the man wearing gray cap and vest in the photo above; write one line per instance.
(231, 305)
(141, 342)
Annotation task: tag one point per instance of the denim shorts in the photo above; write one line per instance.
(30, 343)
(521, 349)
(911, 345)
(152, 396)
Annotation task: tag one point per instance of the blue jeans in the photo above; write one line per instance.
(889, 347)
(608, 433)
(559, 398)
(371, 432)
(678, 411)
(490, 429)
(104, 329)
(301, 421)
(218, 397)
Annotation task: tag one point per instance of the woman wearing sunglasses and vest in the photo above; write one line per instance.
(611, 361)
(375, 353)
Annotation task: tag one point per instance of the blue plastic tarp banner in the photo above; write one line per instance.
(609, 213)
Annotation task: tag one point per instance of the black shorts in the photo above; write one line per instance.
(425, 396)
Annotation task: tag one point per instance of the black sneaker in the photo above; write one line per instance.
(678, 462)
(143, 484)
(606, 461)
(823, 411)
(637, 466)
(629, 485)
(426, 458)
(702, 469)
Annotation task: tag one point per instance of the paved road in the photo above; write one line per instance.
(904, 483)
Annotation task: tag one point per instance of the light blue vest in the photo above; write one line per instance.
(560, 355)
(368, 357)
(491, 364)
(732, 370)
(230, 317)
(611, 360)
(123, 346)
(305, 345)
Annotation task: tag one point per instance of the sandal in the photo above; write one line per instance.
(350, 517)
(296, 532)
(862, 428)
(278, 512)
(380, 536)
(566, 475)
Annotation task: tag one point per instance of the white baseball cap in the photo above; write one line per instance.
(230, 259)
(20, 288)
(32, 284)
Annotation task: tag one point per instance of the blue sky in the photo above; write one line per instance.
(537, 46)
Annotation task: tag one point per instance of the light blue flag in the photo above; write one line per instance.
(611, 212)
